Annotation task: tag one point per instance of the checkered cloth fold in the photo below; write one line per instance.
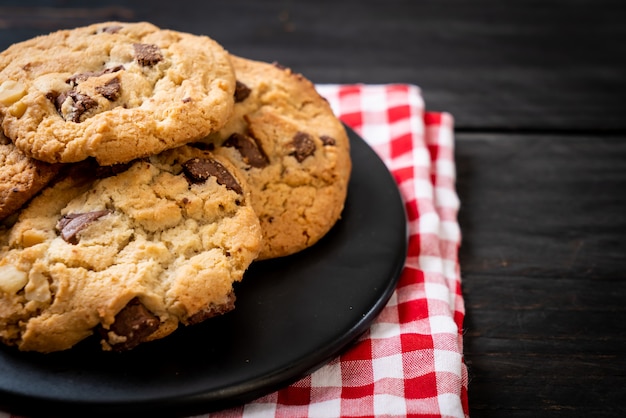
(410, 362)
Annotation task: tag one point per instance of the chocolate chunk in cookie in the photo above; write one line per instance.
(71, 224)
(110, 29)
(147, 55)
(241, 92)
(111, 89)
(133, 324)
(198, 170)
(328, 141)
(304, 146)
(213, 310)
(250, 150)
(80, 77)
(71, 105)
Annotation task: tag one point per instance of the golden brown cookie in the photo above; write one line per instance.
(129, 256)
(21, 177)
(292, 150)
(113, 91)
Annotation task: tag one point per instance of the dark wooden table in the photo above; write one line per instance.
(537, 89)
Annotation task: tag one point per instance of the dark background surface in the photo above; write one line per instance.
(538, 93)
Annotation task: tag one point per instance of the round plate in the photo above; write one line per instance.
(292, 316)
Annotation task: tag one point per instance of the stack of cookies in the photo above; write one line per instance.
(142, 171)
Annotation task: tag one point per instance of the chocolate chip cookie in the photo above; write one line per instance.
(293, 152)
(128, 253)
(21, 177)
(113, 91)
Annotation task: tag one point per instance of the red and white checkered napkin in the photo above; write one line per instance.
(410, 362)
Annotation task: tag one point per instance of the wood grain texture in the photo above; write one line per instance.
(542, 265)
(537, 90)
(511, 65)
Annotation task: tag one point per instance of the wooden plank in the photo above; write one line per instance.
(494, 65)
(512, 389)
(542, 205)
(543, 225)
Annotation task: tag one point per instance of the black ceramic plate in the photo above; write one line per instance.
(293, 315)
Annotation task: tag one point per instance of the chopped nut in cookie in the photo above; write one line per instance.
(12, 280)
(11, 91)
